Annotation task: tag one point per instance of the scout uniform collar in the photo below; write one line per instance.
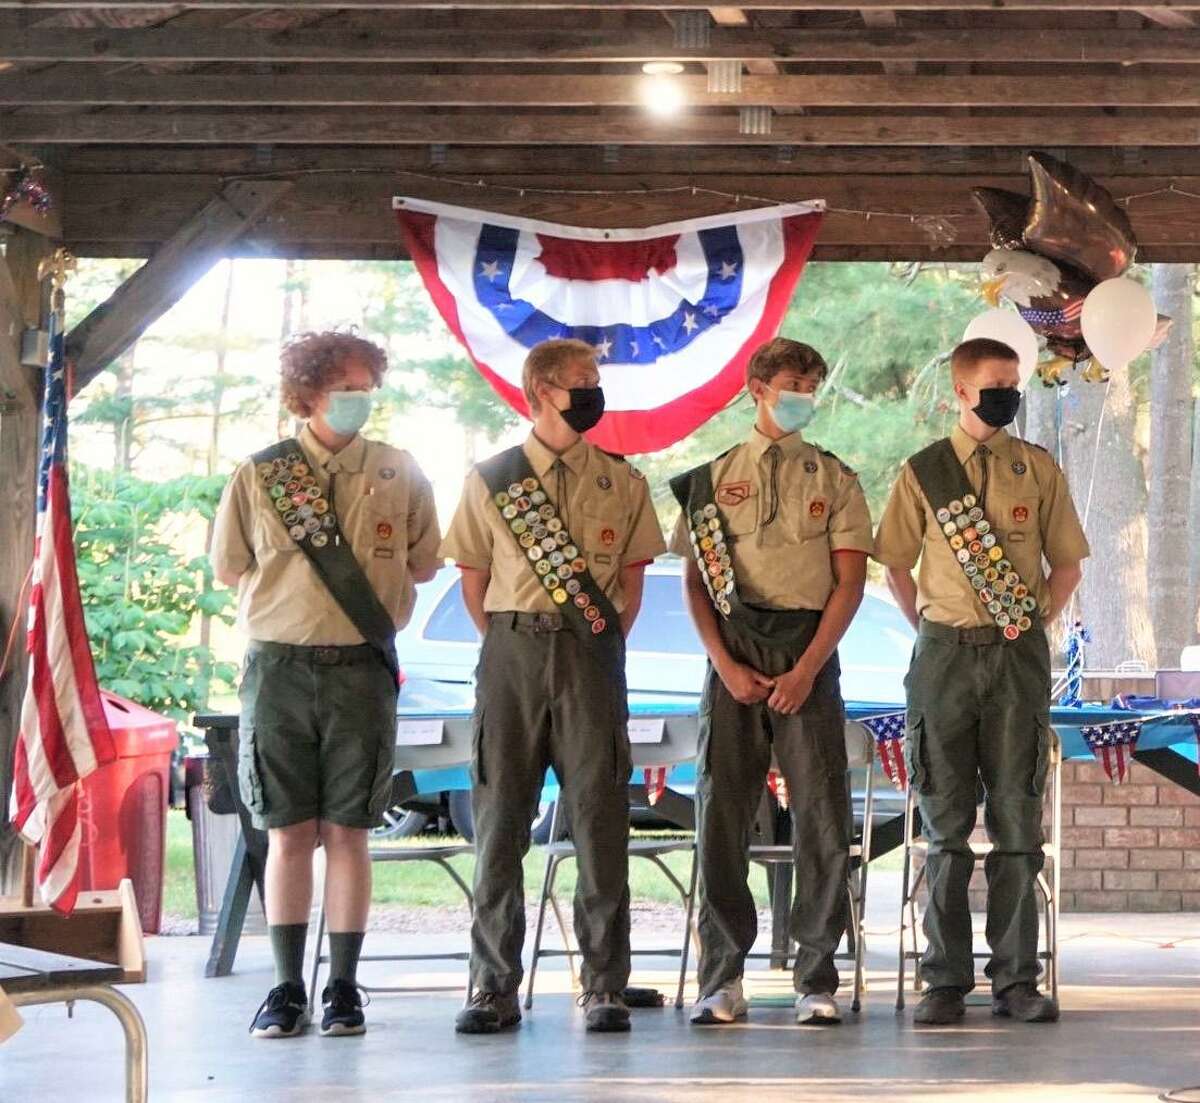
(791, 445)
(965, 446)
(350, 459)
(542, 458)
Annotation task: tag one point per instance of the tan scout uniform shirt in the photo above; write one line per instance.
(790, 506)
(385, 508)
(603, 503)
(1028, 505)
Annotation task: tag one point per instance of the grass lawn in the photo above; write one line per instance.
(422, 884)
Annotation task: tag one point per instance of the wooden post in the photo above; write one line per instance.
(21, 305)
(28, 869)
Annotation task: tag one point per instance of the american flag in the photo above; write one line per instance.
(64, 735)
(777, 784)
(655, 778)
(1113, 745)
(888, 731)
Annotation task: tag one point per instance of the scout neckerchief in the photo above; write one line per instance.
(285, 474)
(549, 550)
(972, 540)
(712, 548)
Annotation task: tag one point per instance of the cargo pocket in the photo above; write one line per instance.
(1037, 781)
(622, 755)
(249, 774)
(478, 774)
(914, 754)
(381, 789)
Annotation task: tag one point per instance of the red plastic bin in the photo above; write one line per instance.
(123, 810)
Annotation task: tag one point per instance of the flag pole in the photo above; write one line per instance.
(28, 860)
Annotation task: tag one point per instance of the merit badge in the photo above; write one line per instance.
(970, 500)
(383, 530)
(608, 537)
(942, 515)
(387, 472)
(1019, 468)
(598, 626)
(515, 490)
(1020, 514)
(297, 532)
(810, 467)
(559, 595)
(582, 601)
(955, 507)
(319, 539)
(604, 482)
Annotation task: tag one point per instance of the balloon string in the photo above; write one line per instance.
(1087, 508)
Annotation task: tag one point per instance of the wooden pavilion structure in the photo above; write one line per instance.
(183, 132)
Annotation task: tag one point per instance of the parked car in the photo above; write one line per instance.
(439, 650)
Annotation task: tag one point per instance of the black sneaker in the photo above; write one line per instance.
(488, 1013)
(605, 1012)
(343, 1010)
(283, 1014)
(1025, 1003)
(940, 1007)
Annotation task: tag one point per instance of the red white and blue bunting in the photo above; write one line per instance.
(673, 311)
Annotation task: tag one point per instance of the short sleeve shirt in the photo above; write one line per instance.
(604, 504)
(385, 508)
(789, 506)
(1025, 499)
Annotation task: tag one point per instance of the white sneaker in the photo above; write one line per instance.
(725, 1005)
(817, 1008)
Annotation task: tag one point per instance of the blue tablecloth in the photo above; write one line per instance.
(1169, 731)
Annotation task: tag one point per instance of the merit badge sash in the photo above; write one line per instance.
(546, 545)
(969, 533)
(712, 548)
(285, 474)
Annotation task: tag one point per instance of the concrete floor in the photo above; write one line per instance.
(1130, 1030)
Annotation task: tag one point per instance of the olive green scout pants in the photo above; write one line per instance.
(736, 745)
(546, 696)
(979, 708)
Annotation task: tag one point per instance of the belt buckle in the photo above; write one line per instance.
(545, 622)
(326, 656)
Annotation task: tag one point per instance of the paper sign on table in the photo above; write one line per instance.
(648, 729)
(10, 1018)
(420, 733)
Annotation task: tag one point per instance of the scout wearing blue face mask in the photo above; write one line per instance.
(793, 410)
(348, 411)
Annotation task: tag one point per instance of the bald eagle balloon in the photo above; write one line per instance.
(1051, 249)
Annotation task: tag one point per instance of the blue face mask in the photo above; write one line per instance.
(792, 411)
(348, 411)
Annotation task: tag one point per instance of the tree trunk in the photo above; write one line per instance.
(1194, 515)
(1170, 467)
(1101, 456)
(123, 430)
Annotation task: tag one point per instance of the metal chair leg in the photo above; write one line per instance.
(568, 949)
(688, 931)
(316, 958)
(904, 899)
(541, 924)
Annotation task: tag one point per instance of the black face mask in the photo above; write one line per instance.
(997, 406)
(586, 409)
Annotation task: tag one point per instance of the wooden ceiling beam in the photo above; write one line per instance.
(500, 90)
(354, 128)
(384, 45)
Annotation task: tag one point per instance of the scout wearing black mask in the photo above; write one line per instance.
(997, 406)
(586, 409)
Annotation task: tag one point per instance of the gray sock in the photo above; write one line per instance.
(344, 948)
(287, 945)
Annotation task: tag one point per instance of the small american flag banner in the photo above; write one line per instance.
(1113, 745)
(655, 779)
(64, 735)
(778, 786)
(888, 731)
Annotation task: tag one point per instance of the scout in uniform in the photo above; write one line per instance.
(552, 538)
(981, 510)
(775, 535)
(324, 537)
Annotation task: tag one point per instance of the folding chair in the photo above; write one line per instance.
(451, 751)
(678, 744)
(860, 753)
(1048, 886)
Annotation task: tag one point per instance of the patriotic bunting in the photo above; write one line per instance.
(888, 731)
(778, 787)
(674, 312)
(1113, 745)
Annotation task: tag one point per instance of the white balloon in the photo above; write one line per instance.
(1008, 327)
(1118, 321)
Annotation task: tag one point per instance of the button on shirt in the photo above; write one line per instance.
(604, 505)
(1024, 496)
(384, 505)
(788, 507)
